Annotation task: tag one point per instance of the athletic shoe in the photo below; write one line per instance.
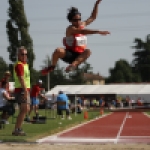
(28, 119)
(46, 70)
(2, 124)
(6, 122)
(18, 132)
(70, 68)
(69, 118)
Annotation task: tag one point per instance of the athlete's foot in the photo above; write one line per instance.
(70, 68)
(46, 70)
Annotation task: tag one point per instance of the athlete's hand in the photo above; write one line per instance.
(104, 32)
(98, 1)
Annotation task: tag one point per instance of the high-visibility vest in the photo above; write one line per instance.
(26, 75)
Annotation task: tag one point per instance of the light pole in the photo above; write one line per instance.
(75, 100)
(75, 103)
(48, 76)
(48, 80)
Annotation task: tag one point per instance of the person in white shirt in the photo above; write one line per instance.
(6, 109)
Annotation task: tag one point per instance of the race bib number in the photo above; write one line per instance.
(80, 41)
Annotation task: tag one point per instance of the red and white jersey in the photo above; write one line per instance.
(76, 43)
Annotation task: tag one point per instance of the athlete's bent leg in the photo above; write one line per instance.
(57, 54)
(81, 58)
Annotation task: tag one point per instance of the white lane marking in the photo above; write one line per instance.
(134, 137)
(121, 128)
(129, 116)
(146, 114)
(55, 139)
(78, 140)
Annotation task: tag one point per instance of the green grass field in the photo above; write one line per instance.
(36, 131)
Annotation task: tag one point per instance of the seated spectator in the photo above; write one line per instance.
(6, 108)
(79, 105)
(79, 101)
(94, 101)
(6, 78)
(62, 104)
(102, 105)
(121, 104)
(128, 101)
(101, 100)
(88, 103)
(114, 103)
(133, 102)
(139, 102)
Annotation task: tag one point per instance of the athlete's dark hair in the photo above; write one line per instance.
(72, 12)
(60, 92)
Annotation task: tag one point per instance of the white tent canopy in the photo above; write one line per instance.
(133, 90)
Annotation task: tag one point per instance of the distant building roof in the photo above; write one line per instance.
(91, 76)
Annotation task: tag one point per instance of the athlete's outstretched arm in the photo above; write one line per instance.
(93, 14)
(74, 30)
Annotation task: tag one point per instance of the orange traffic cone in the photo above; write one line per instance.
(85, 115)
(101, 111)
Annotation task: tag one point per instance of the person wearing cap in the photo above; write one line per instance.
(35, 94)
(6, 78)
(5, 107)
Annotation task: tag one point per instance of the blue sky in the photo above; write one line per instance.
(126, 20)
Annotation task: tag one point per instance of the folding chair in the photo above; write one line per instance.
(60, 103)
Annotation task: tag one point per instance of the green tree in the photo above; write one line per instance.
(76, 77)
(3, 67)
(122, 72)
(141, 62)
(86, 67)
(56, 77)
(18, 32)
(36, 75)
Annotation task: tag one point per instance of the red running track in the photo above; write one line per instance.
(118, 127)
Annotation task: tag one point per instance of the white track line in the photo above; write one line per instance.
(77, 140)
(134, 137)
(146, 114)
(121, 128)
(58, 140)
